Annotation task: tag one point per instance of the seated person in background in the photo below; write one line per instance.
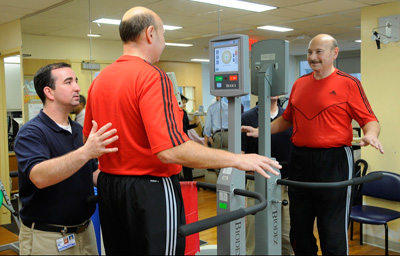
(187, 171)
(193, 135)
(186, 123)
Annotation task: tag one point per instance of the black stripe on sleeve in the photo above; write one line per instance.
(169, 90)
(360, 89)
(166, 87)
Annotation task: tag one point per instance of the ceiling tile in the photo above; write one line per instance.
(327, 6)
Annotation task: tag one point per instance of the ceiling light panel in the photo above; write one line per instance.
(169, 27)
(200, 60)
(12, 60)
(274, 28)
(117, 22)
(179, 45)
(108, 21)
(242, 5)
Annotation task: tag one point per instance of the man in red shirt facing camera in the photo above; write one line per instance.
(321, 107)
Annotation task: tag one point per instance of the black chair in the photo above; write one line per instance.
(387, 188)
(360, 169)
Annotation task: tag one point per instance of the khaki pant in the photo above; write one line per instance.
(250, 224)
(220, 138)
(37, 242)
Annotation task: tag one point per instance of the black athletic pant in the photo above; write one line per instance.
(329, 206)
(140, 215)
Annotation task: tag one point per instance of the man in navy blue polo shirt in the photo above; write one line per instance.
(56, 171)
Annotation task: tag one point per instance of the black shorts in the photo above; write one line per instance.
(141, 214)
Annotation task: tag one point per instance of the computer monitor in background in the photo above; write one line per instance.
(9, 124)
(16, 125)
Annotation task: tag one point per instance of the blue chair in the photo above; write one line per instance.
(387, 188)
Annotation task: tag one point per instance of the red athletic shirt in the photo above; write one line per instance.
(138, 99)
(322, 110)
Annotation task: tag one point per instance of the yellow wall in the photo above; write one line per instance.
(51, 47)
(10, 36)
(187, 74)
(75, 50)
(381, 78)
(10, 43)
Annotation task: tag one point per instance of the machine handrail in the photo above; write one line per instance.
(201, 225)
(206, 185)
(214, 221)
(338, 184)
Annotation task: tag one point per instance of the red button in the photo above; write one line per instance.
(233, 78)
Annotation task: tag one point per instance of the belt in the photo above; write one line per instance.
(223, 130)
(58, 228)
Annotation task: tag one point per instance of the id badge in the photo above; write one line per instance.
(65, 242)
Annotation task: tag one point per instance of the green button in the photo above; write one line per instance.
(223, 205)
(218, 78)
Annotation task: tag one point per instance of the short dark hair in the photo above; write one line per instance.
(43, 78)
(183, 98)
(82, 99)
(130, 29)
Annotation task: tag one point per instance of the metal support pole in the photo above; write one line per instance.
(268, 228)
(231, 236)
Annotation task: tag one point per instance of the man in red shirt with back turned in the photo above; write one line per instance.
(321, 107)
(140, 201)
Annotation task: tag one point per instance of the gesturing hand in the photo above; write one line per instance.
(97, 141)
(373, 141)
(250, 131)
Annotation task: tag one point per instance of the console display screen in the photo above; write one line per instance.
(226, 56)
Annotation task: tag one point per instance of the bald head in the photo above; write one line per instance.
(321, 55)
(324, 39)
(135, 21)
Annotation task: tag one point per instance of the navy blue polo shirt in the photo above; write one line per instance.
(281, 146)
(41, 139)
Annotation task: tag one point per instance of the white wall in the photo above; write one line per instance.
(13, 86)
